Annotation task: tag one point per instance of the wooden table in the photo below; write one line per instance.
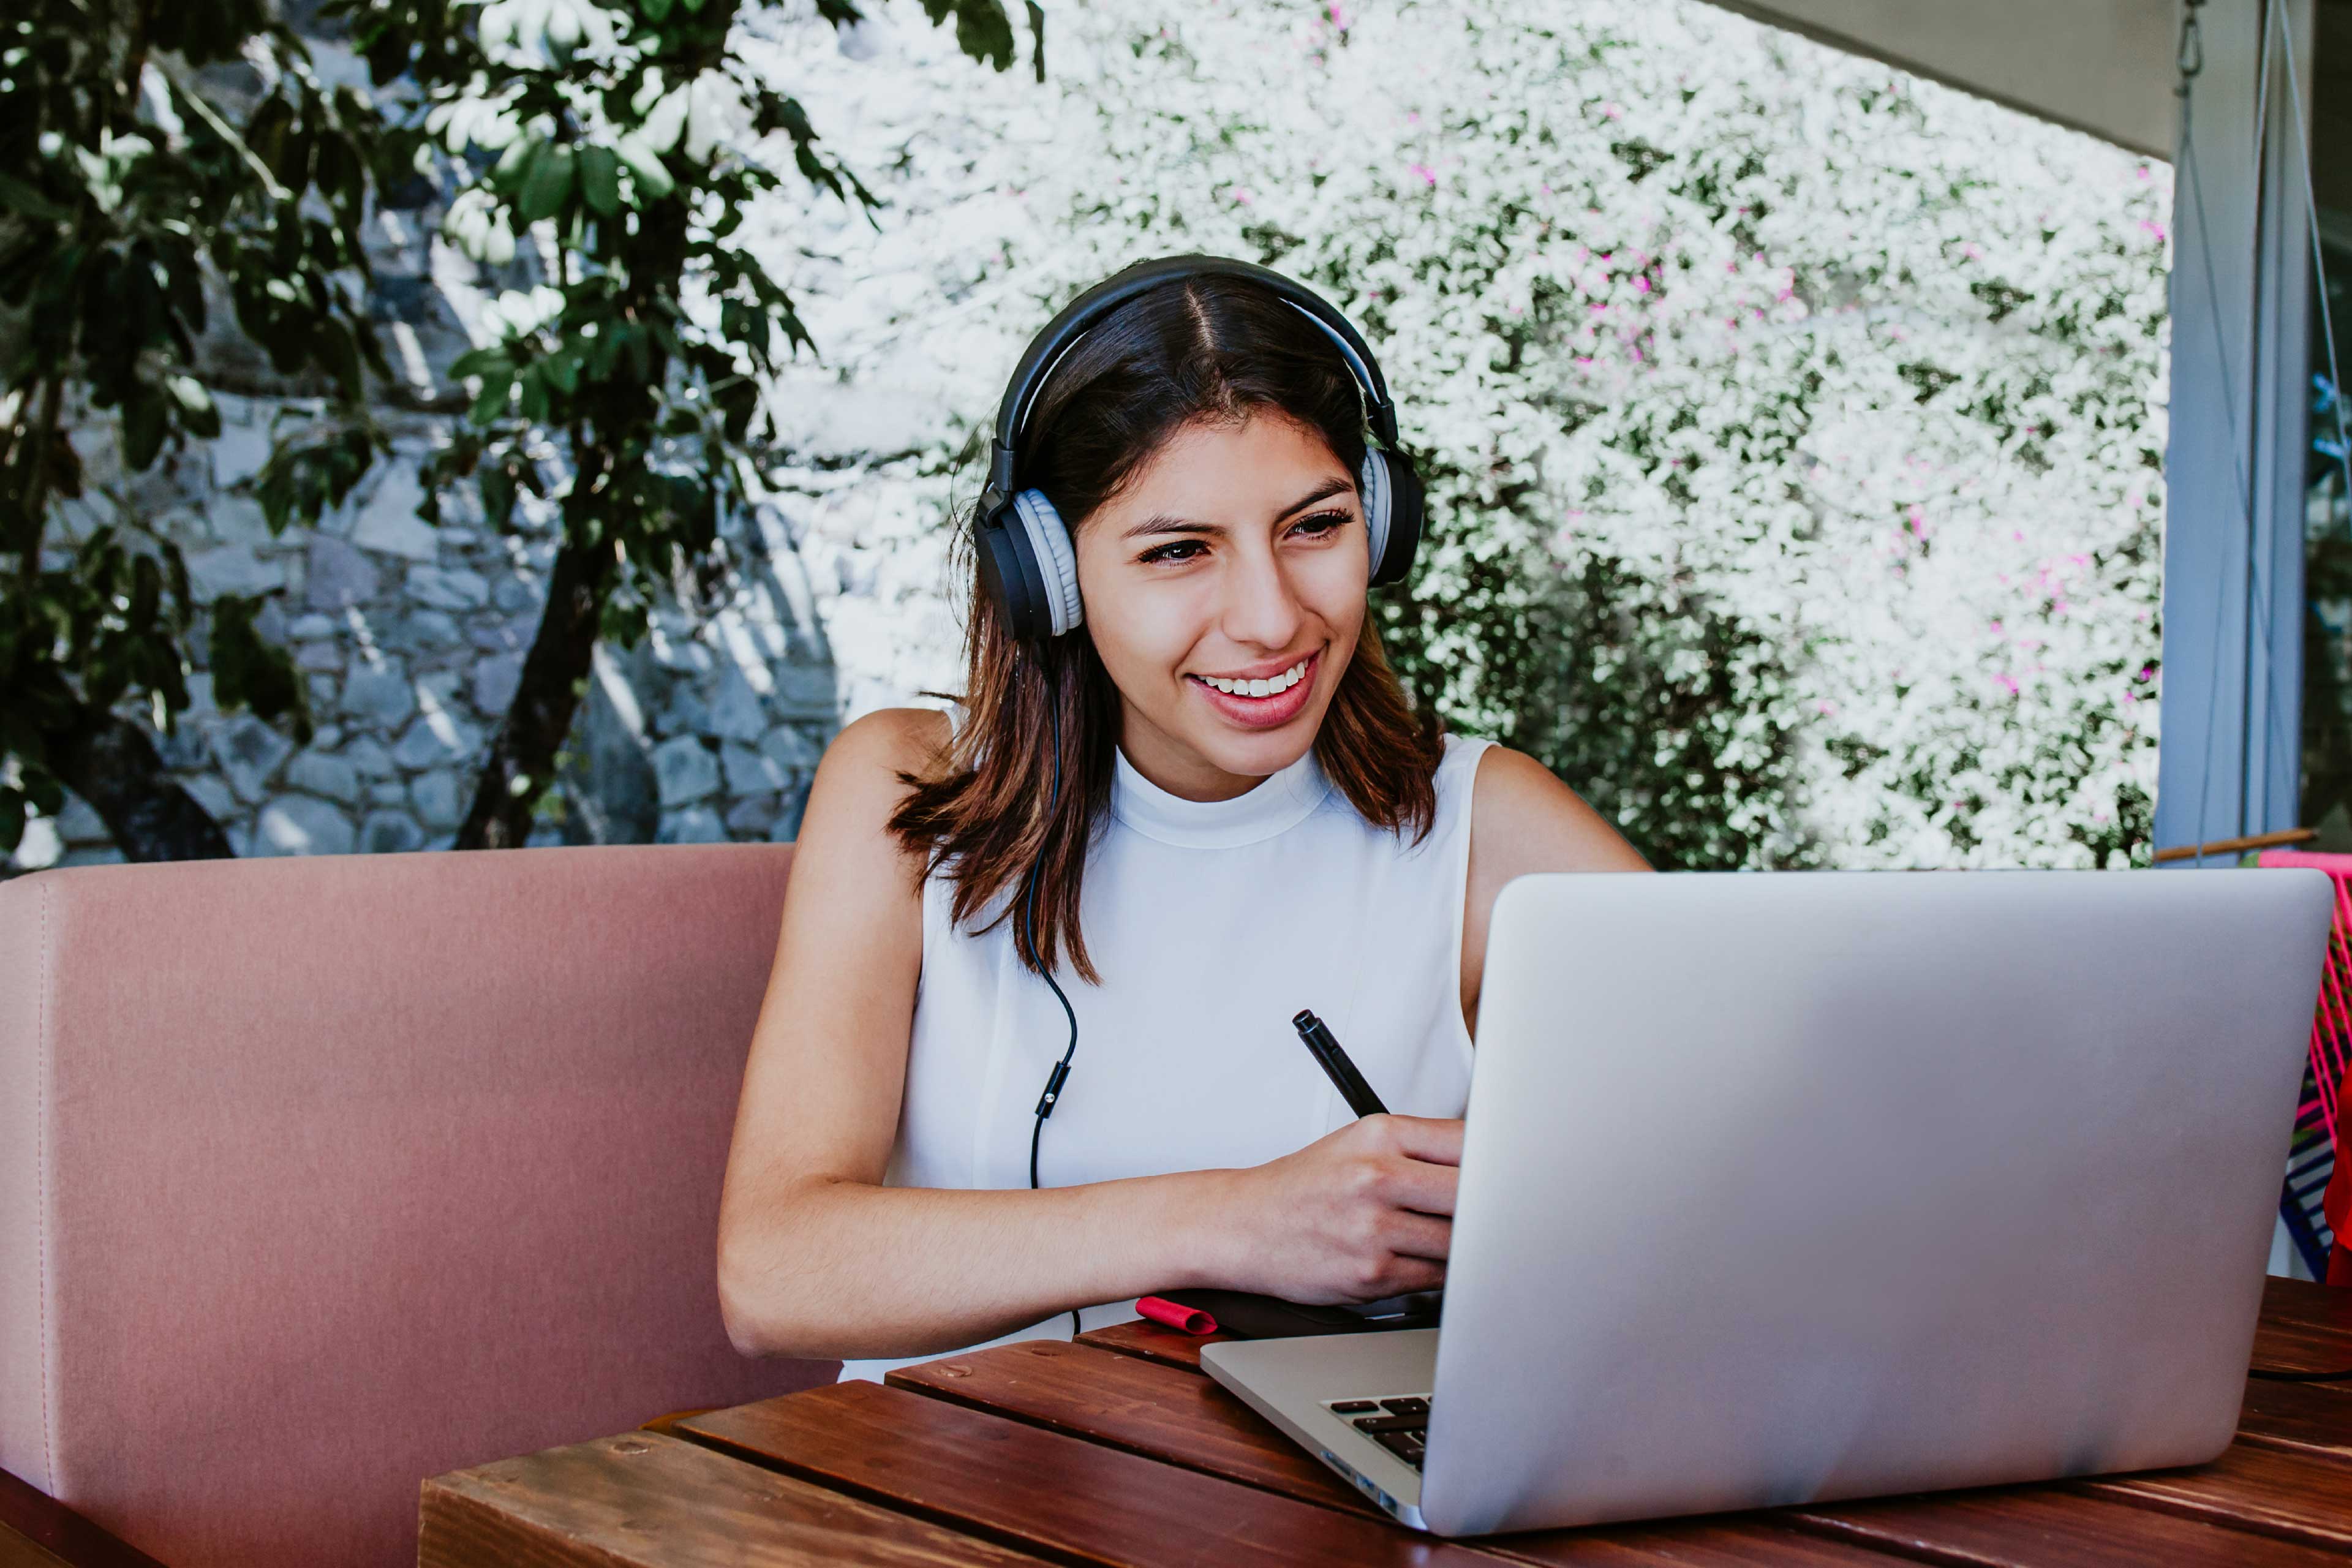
(1119, 1450)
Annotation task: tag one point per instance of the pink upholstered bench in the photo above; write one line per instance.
(321, 1176)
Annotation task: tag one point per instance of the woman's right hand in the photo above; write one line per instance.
(1362, 1213)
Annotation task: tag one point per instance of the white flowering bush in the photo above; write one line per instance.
(1792, 427)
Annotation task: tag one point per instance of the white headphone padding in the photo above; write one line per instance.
(1049, 546)
(1376, 508)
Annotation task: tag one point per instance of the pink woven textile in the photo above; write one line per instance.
(321, 1176)
(2331, 1053)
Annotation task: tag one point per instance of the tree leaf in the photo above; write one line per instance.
(600, 180)
(498, 497)
(480, 361)
(548, 183)
(491, 405)
(145, 417)
(562, 369)
(250, 671)
(18, 196)
(645, 167)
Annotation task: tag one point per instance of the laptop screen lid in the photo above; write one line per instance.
(1789, 1187)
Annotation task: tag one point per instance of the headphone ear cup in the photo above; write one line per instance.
(1392, 481)
(1373, 484)
(1055, 561)
(1008, 577)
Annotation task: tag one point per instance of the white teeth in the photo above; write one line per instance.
(1272, 686)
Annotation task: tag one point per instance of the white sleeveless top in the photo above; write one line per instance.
(1211, 922)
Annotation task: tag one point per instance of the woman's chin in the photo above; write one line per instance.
(1254, 751)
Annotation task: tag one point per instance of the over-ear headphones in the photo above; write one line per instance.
(1027, 564)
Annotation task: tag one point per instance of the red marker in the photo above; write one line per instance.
(1188, 1320)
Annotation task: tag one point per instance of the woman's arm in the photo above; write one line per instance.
(1523, 819)
(816, 1257)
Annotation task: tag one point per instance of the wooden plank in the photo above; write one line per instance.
(1161, 1412)
(1152, 1342)
(2283, 1345)
(2293, 1494)
(2302, 1302)
(2314, 1415)
(1718, 1541)
(2050, 1526)
(2305, 1327)
(38, 1531)
(645, 1500)
(1184, 1418)
(1060, 1496)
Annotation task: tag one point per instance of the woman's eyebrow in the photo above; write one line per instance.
(1165, 523)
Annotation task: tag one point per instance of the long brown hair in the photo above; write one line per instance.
(1212, 347)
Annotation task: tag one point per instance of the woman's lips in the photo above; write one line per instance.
(1262, 712)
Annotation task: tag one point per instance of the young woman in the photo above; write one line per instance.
(1229, 811)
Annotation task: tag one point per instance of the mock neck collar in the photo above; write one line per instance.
(1276, 803)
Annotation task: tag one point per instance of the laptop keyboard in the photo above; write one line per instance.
(1398, 1424)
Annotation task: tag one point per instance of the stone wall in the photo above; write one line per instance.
(411, 635)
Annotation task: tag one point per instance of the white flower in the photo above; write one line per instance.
(517, 314)
(477, 225)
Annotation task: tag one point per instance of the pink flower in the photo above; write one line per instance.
(2007, 683)
(1427, 178)
(1642, 285)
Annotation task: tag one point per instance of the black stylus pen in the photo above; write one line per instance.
(1335, 1063)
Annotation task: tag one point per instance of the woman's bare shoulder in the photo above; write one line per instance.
(887, 741)
(862, 778)
(1524, 818)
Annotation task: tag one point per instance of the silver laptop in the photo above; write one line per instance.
(1785, 1187)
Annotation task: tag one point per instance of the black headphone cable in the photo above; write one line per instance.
(1046, 1101)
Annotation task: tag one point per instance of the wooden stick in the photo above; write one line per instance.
(2233, 845)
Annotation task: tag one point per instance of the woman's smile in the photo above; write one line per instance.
(1260, 698)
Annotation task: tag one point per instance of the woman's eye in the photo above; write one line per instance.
(1169, 552)
(1320, 524)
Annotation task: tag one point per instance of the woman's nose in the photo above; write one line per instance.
(1262, 604)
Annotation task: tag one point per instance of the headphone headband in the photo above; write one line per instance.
(1062, 334)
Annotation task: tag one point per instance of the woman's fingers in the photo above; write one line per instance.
(1422, 1187)
(1413, 1274)
(1437, 1140)
(1420, 1235)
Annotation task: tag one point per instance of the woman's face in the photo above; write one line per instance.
(1224, 590)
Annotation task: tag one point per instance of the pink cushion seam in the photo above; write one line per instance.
(41, 1212)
